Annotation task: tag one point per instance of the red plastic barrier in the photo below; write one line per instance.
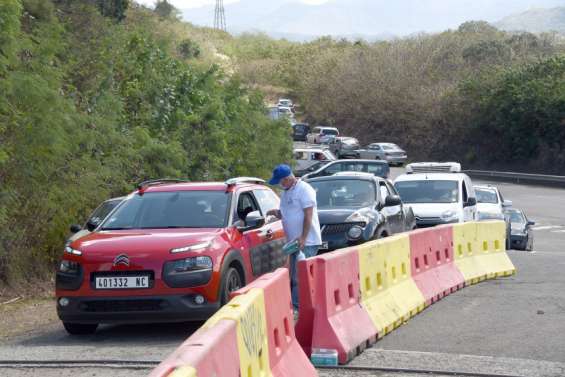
(286, 357)
(212, 352)
(330, 312)
(431, 257)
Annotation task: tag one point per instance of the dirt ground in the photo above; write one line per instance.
(25, 315)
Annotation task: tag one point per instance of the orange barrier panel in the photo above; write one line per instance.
(433, 269)
(330, 314)
(208, 352)
(286, 357)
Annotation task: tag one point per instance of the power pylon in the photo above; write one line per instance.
(220, 16)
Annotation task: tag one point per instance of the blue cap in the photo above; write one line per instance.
(280, 172)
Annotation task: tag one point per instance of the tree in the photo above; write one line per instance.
(166, 10)
(114, 8)
(189, 49)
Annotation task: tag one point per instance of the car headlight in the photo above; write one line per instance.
(69, 267)
(195, 247)
(358, 218)
(449, 215)
(490, 216)
(355, 232)
(193, 264)
(70, 250)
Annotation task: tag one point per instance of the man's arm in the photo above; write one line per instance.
(275, 212)
(306, 226)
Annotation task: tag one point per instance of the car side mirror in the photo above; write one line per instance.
(392, 200)
(90, 225)
(507, 203)
(470, 202)
(75, 228)
(253, 220)
(531, 223)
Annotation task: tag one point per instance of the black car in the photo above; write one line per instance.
(357, 207)
(299, 131)
(377, 168)
(521, 234)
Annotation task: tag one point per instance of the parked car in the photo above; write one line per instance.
(286, 111)
(299, 131)
(344, 147)
(172, 251)
(357, 207)
(490, 203)
(307, 157)
(376, 168)
(285, 102)
(320, 134)
(389, 152)
(522, 235)
(438, 193)
(99, 214)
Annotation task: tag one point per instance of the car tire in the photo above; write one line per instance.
(232, 282)
(529, 245)
(80, 328)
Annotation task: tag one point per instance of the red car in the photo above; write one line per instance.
(171, 252)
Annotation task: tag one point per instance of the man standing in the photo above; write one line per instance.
(298, 211)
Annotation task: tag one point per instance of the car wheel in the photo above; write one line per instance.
(80, 328)
(232, 282)
(530, 245)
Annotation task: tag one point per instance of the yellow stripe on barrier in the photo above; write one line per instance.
(184, 372)
(388, 292)
(465, 249)
(249, 312)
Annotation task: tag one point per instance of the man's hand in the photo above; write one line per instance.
(301, 243)
(274, 212)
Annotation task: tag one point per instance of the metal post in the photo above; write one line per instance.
(220, 16)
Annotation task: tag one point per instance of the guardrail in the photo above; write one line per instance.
(539, 179)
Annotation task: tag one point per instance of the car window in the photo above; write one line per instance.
(384, 191)
(465, 196)
(374, 146)
(103, 211)
(300, 155)
(267, 199)
(332, 169)
(428, 191)
(516, 217)
(378, 170)
(351, 193)
(245, 205)
(163, 210)
(486, 196)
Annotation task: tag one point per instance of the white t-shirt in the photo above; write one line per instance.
(293, 203)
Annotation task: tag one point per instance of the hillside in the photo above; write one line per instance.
(535, 21)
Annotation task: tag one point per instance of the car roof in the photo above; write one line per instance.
(198, 186)
(431, 177)
(350, 160)
(367, 177)
(485, 187)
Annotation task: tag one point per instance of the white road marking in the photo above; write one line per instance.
(558, 231)
(546, 227)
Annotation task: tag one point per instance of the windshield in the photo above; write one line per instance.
(428, 191)
(486, 196)
(350, 193)
(330, 132)
(162, 210)
(516, 217)
(318, 165)
(350, 141)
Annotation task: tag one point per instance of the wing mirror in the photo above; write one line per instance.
(91, 225)
(470, 202)
(75, 228)
(531, 223)
(392, 200)
(253, 220)
(507, 203)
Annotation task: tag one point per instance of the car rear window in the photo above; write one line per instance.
(486, 196)
(163, 210)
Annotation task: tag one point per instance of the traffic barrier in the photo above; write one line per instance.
(465, 250)
(330, 314)
(251, 336)
(433, 269)
(388, 292)
(286, 357)
(491, 237)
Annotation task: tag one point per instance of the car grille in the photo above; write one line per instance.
(101, 306)
(328, 229)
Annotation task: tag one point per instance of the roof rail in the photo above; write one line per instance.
(235, 181)
(154, 182)
(433, 167)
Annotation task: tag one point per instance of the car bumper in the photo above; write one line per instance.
(139, 309)
(426, 223)
(519, 242)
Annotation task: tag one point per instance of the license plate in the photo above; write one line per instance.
(122, 282)
(324, 246)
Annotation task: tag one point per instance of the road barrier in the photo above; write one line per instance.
(505, 176)
(398, 277)
(252, 336)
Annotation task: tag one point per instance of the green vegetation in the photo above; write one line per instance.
(92, 103)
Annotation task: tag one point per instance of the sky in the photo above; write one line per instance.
(185, 4)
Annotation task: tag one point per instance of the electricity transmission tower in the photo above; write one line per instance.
(220, 16)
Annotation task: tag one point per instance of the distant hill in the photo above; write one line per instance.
(535, 21)
(370, 19)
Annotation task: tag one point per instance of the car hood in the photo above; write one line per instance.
(488, 208)
(432, 209)
(340, 215)
(142, 240)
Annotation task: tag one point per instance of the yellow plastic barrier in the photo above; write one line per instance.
(249, 312)
(388, 292)
(491, 239)
(465, 250)
(184, 372)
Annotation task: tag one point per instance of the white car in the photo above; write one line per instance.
(322, 135)
(438, 193)
(490, 203)
(306, 157)
(285, 102)
(286, 111)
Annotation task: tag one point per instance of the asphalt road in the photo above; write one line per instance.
(507, 325)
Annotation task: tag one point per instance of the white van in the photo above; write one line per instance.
(308, 157)
(438, 193)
